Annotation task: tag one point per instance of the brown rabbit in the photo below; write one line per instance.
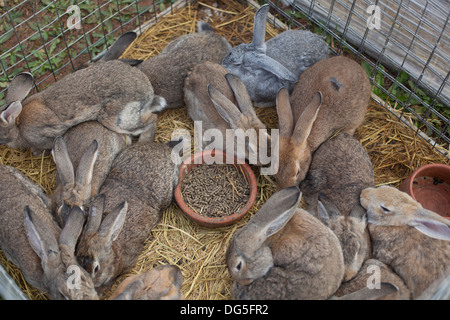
(284, 252)
(331, 95)
(220, 101)
(138, 188)
(351, 290)
(161, 283)
(339, 171)
(32, 240)
(413, 241)
(168, 70)
(115, 94)
(83, 158)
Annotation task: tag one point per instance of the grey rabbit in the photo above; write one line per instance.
(161, 283)
(284, 252)
(340, 169)
(297, 50)
(262, 75)
(32, 240)
(410, 239)
(168, 70)
(138, 188)
(112, 92)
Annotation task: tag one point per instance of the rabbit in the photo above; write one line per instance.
(364, 285)
(331, 95)
(220, 101)
(161, 283)
(32, 240)
(262, 75)
(340, 169)
(439, 289)
(297, 50)
(352, 232)
(113, 93)
(284, 252)
(168, 70)
(412, 240)
(139, 186)
(83, 158)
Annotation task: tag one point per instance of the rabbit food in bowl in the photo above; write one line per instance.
(215, 195)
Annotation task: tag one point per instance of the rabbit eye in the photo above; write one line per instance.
(239, 266)
(386, 210)
(298, 173)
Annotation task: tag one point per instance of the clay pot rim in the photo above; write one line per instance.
(215, 222)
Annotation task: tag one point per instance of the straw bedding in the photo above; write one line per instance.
(199, 252)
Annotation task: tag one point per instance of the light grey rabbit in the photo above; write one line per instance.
(262, 75)
(368, 284)
(83, 158)
(138, 188)
(111, 92)
(32, 240)
(340, 169)
(330, 96)
(413, 241)
(168, 70)
(284, 252)
(297, 50)
(220, 101)
(161, 283)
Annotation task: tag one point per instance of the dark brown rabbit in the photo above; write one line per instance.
(32, 240)
(138, 188)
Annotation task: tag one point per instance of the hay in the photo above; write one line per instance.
(200, 252)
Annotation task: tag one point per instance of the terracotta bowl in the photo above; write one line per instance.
(214, 222)
(430, 185)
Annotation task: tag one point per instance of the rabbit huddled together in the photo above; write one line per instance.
(111, 192)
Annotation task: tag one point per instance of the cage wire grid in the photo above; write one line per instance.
(413, 37)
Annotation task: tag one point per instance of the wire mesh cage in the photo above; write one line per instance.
(402, 45)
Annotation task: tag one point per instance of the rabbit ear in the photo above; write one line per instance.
(259, 27)
(284, 111)
(306, 120)
(359, 212)
(95, 216)
(9, 115)
(431, 224)
(371, 294)
(19, 87)
(327, 209)
(71, 231)
(227, 110)
(85, 168)
(41, 240)
(118, 47)
(113, 223)
(241, 94)
(275, 213)
(261, 61)
(63, 163)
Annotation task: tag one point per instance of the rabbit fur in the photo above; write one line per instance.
(220, 101)
(262, 75)
(297, 50)
(284, 252)
(413, 241)
(83, 158)
(330, 96)
(32, 240)
(161, 283)
(113, 93)
(339, 171)
(138, 188)
(365, 276)
(168, 70)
